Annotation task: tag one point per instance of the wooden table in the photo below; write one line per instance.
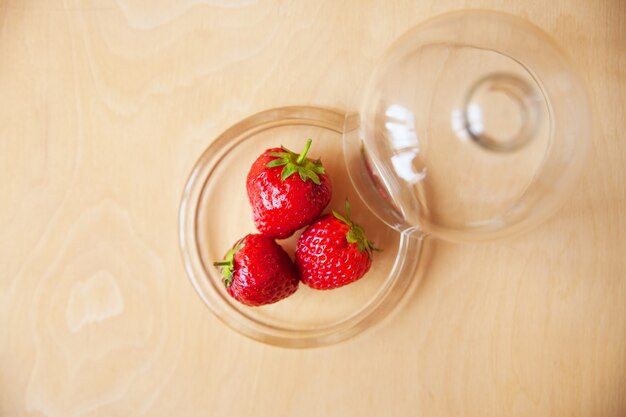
(105, 106)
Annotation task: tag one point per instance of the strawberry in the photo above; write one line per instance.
(281, 201)
(333, 252)
(257, 271)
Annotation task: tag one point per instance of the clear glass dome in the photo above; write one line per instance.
(473, 126)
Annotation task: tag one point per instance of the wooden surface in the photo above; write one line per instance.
(105, 106)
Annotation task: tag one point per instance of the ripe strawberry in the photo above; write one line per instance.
(282, 202)
(257, 271)
(333, 252)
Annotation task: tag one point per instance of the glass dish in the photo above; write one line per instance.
(215, 213)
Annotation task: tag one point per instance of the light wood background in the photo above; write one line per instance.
(105, 106)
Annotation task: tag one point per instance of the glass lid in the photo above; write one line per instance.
(473, 126)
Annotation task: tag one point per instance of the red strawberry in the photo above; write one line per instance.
(333, 252)
(282, 202)
(258, 271)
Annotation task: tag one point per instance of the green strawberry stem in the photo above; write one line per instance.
(293, 163)
(356, 234)
(227, 266)
(300, 159)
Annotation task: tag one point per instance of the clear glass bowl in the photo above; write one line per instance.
(215, 213)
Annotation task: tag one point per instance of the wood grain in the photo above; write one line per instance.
(104, 107)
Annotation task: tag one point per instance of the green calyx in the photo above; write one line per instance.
(293, 163)
(227, 266)
(356, 234)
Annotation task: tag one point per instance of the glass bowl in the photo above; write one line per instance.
(215, 213)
